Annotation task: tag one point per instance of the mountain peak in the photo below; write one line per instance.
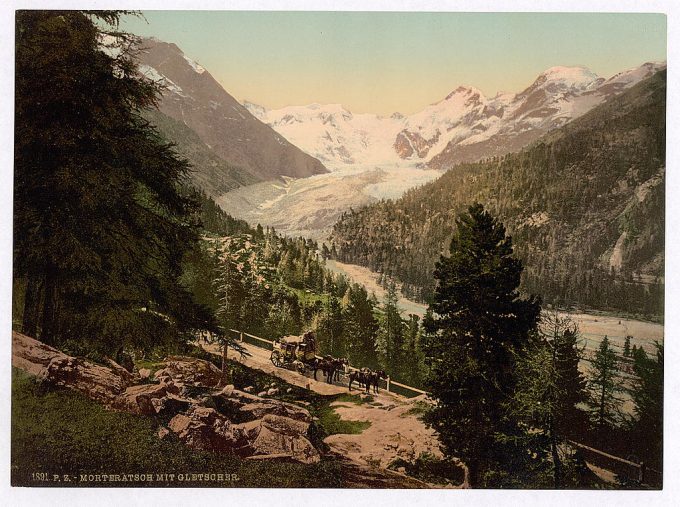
(574, 77)
(463, 91)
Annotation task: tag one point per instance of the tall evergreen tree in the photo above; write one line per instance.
(101, 226)
(390, 339)
(604, 384)
(646, 392)
(478, 321)
(359, 327)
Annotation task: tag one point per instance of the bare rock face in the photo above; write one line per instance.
(284, 437)
(96, 382)
(256, 407)
(190, 371)
(206, 429)
(151, 399)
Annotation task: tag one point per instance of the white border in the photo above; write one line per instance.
(181, 496)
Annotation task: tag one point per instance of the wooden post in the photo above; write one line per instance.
(388, 384)
(641, 473)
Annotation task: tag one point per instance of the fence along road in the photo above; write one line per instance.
(635, 471)
(389, 385)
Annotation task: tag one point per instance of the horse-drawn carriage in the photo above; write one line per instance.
(295, 352)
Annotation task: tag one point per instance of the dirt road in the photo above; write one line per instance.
(259, 360)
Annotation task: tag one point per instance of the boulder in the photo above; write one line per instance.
(255, 407)
(163, 432)
(94, 381)
(204, 428)
(139, 399)
(280, 437)
(144, 373)
(190, 371)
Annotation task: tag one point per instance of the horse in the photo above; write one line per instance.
(362, 377)
(339, 367)
(327, 367)
(375, 379)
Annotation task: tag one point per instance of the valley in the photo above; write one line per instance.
(311, 206)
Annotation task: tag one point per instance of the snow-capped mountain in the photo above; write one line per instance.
(193, 97)
(464, 126)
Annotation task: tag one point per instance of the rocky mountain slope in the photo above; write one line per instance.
(465, 126)
(584, 204)
(194, 98)
(208, 170)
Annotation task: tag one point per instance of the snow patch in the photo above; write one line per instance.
(197, 68)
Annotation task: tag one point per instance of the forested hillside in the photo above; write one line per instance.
(585, 206)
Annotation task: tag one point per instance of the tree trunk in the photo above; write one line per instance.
(47, 321)
(29, 322)
(557, 464)
(225, 349)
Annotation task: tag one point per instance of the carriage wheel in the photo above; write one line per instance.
(276, 359)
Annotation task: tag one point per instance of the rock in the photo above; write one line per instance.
(227, 390)
(163, 432)
(31, 355)
(262, 393)
(249, 389)
(205, 429)
(280, 437)
(144, 373)
(272, 391)
(285, 425)
(401, 470)
(289, 390)
(138, 399)
(171, 404)
(256, 407)
(123, 372)
(190, 371)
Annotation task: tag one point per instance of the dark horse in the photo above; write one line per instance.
(367, 378)
(327, 366)
(339, 367)
(362, 377)
(375, 379)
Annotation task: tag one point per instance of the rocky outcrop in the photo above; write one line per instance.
(265, 428)
(53, 366)
(189, 371)
(252, 407)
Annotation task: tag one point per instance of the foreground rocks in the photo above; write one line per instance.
(99, 383)
(184, 392)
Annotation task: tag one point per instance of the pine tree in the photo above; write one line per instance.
(646, 392)
(626, 346)
(603, 387)
(390, 339)
(101, 224)
(359, 327)
(478, 321)
(549, 388)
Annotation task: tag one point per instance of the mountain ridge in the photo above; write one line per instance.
(192, 96)
(584, 203)
(464, 126)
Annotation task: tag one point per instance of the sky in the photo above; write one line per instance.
(383, 62)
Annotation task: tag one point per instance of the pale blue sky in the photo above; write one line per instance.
(385, 62)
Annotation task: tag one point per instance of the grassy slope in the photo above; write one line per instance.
(59, 431)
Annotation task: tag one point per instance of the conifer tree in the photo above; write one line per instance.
(101, 224)
(604, 384)
(390, 339)
(478, 321)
